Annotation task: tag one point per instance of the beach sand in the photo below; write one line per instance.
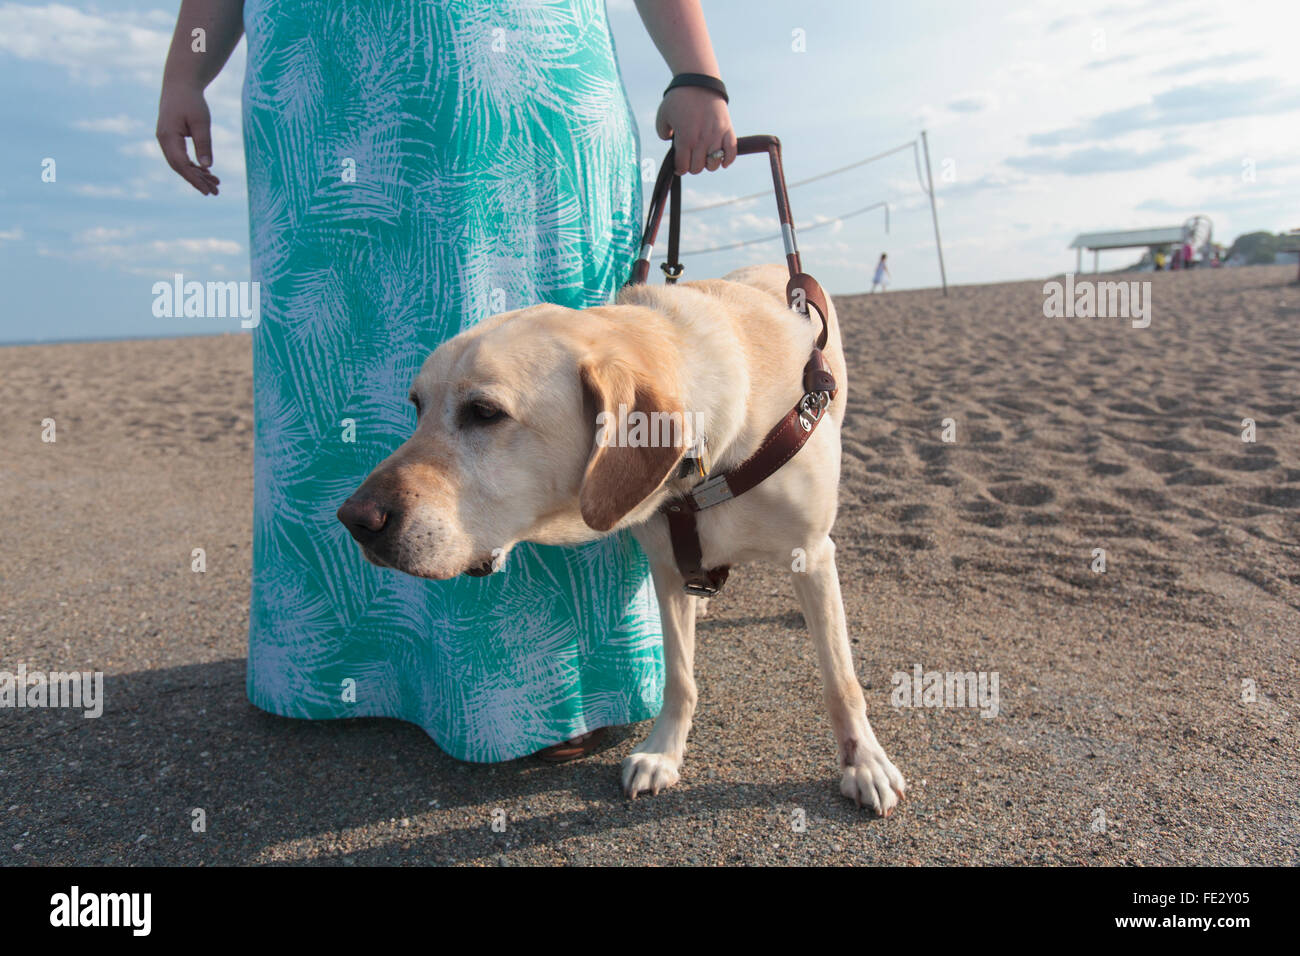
(1123, 733)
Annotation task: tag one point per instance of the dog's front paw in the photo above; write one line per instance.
(645, 771)
(872, 781)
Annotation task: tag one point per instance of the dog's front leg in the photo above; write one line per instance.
(868, 778)
(655, 763)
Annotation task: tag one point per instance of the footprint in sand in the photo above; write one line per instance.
(1273, 497)
(1195, 476)
(1147, 497)
(1166, 463)
(908, 514)
(1027, 494)
(1096, 506)
(1173, 444)
(913, 542)
(981, 511)
(1134, 408)
(1252, 458)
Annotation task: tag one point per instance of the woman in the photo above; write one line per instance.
(412, 168)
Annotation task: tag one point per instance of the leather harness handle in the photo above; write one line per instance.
(802, 289)
(668, 181)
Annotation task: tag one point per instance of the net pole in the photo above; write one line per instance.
(934, 212)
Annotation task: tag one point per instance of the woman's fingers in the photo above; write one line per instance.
(705, 148)
(699, 156)
(728, 147)
(201, 132)
(173, 149)
(714, 154)
(662, 127)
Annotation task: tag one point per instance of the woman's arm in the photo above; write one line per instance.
(694, 118)
(182, 110)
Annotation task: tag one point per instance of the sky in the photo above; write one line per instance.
(1044, 119)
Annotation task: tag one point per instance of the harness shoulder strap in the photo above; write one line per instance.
(803, 291)
(697, 580)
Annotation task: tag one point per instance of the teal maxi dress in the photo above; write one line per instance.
(413, 167)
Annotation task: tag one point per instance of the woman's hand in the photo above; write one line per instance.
(698, 122)
(183, 112)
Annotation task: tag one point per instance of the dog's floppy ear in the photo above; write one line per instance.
(620, 476)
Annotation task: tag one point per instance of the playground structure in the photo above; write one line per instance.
(1197, 230)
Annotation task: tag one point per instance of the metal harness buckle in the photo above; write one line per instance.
(713, 491)
(699, 590)
(812, 407)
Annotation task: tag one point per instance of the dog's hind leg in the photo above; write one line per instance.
(654, 764)
(868, 776)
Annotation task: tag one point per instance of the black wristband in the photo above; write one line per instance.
(700, 79)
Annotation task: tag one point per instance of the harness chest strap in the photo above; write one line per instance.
(778, 447)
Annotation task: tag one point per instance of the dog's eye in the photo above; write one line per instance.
(480, 412)
(415, 400)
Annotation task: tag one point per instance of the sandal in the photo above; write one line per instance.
(572, 749)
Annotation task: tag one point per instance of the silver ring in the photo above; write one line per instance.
(717, 154)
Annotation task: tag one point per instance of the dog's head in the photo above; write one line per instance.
(511, 444)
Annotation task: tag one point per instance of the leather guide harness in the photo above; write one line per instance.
(789, 435)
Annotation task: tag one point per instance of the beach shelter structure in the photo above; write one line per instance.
(1126, 239)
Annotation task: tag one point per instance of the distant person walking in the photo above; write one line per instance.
(882, 275)
(1160, 262)
(1189, 256)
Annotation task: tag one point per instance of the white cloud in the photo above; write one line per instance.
(195, 247)
(120, 125)
(145, 148)
(977, 101)
(90, 47)
(96, 191)
(11, 234)
(102, 234)
(109, 246)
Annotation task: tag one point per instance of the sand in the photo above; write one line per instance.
(1121, 736)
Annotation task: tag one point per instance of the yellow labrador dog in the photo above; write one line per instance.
(511, 445)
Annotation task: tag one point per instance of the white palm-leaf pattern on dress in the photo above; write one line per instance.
(495, 167)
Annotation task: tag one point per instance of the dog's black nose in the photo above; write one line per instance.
(366, 518)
